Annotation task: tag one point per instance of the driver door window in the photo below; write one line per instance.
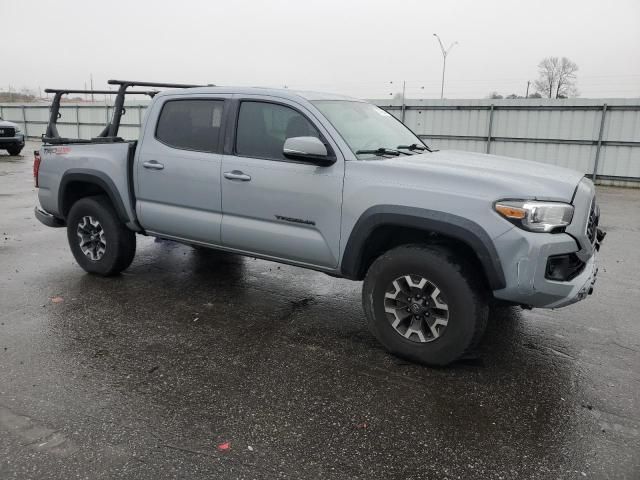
(264, 127)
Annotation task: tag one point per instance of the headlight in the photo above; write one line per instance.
(17, 130)
(536, 216)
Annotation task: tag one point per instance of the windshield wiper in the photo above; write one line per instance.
(415, 146)
(382, 151)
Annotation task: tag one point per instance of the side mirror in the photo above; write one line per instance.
(307, 149)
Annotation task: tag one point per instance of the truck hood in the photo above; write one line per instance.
(505, 177)
(5, 123)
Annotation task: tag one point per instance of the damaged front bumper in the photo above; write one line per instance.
(528, 282)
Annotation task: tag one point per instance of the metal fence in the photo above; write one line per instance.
(76, 120)
(600, 138)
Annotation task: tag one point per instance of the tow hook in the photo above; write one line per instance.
(600, 234)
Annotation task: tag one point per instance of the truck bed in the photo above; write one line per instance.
(108, 165)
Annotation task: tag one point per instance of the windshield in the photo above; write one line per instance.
(366, 127)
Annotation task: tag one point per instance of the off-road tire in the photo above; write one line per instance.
(14, 151)
(120, 241)
(460, 285)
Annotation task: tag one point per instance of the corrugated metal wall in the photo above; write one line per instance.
(561, 132)
(84, 120)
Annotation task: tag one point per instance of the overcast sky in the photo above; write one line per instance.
(354, 47)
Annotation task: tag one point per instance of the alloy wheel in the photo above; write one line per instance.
(416, 308)
(91, 238)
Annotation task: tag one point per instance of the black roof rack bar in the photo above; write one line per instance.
(65, 91)
(118, 108)
(137, 83)
(54, 111)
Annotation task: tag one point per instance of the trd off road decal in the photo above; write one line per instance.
(57, 150)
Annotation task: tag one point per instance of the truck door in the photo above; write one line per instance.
(177, 172)
(272, 206)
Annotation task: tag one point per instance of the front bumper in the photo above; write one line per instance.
(526, 267)
(47, 219)
(525, 255)
(15, 140)
(582, 286)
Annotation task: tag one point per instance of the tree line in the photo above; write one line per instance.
(556, 79)
(23, 95)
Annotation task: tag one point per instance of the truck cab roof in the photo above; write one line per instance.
(274, 92)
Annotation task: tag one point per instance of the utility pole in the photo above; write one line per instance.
(91, 81)
(445, 52)
(526, 95)
(404, 84)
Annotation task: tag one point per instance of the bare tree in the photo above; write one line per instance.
(547, 71)
(556, 78)
(566, 82)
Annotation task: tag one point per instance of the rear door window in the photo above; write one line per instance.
(191, 124)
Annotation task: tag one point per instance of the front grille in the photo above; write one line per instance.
(592, 223)
(7, 132)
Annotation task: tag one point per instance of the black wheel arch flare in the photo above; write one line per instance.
(432, 221)
(96, 178)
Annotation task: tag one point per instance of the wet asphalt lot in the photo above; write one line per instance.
(146, 374)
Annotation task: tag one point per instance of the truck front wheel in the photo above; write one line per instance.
(425, 304)
(99, 241)
(14, 150)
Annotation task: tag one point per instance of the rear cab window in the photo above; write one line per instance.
(191, 124)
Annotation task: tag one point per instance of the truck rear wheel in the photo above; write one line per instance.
(99, 241)
(424, 304)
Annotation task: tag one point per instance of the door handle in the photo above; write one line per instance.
(237, 175)
(153, 165)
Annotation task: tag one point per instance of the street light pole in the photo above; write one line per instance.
(445, 52)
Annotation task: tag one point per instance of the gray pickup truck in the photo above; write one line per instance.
(336, 185)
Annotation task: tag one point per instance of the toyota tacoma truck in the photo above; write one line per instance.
(336, 185)
(11, 137)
